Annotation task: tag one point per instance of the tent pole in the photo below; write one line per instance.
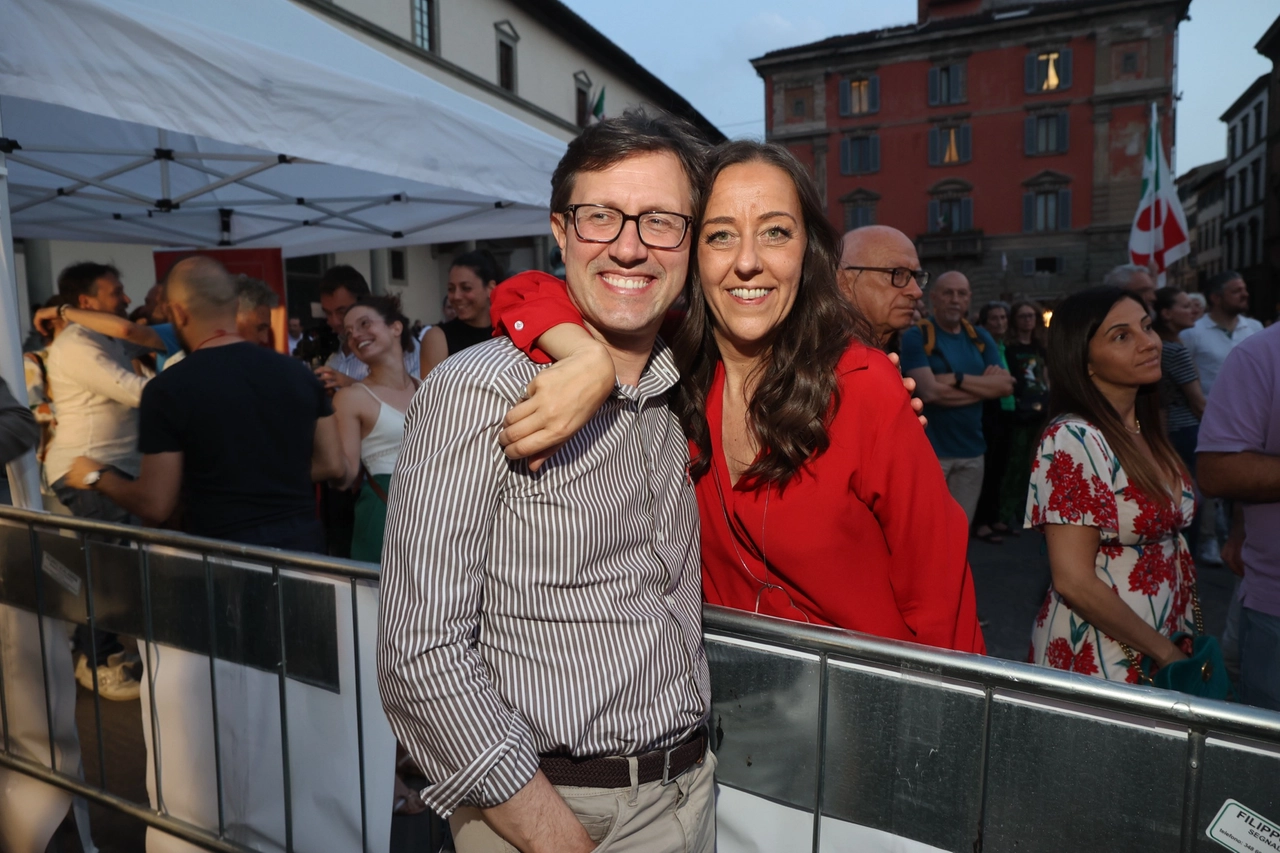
(24, 478)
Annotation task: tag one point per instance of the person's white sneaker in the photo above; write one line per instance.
(1210, 553)
(114, 682)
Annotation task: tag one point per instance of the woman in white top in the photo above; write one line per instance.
(371, 414)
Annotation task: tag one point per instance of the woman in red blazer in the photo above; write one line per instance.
(820, 497)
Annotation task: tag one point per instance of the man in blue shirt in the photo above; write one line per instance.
(955, 367)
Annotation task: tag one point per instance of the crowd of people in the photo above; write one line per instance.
(721, 401)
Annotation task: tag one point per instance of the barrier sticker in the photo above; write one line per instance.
(64, 577)
(1238, 827)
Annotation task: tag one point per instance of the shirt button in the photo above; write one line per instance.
(519, 325)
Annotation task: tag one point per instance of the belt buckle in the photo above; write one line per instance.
(667, 778)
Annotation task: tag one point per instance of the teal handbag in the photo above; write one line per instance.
(1203, 673)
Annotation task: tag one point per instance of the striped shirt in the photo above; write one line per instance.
(556, 612)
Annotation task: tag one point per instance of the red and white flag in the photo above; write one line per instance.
(1159, 233)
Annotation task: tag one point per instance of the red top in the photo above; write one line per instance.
(846, 548)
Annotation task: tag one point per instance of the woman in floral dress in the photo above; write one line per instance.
(1110, 494)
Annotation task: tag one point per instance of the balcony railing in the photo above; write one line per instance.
(950, 244)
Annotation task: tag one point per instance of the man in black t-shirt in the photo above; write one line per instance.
(237, 431)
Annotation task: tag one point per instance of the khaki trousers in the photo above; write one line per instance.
(649, 818)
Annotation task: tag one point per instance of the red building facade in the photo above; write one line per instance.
(1006, 139)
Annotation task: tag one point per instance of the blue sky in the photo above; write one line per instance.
(702, 50)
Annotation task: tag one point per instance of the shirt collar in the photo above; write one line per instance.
(658, 377)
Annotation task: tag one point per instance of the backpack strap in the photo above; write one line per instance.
(928, 334)
(973, 335)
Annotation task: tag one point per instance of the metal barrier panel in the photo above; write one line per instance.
(260, 684)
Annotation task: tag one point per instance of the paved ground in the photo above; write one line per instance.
(1010, 580)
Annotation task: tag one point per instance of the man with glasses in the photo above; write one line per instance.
(956, 367)
(540, 649)
(880, 274)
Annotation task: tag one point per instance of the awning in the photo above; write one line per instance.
(247, 123)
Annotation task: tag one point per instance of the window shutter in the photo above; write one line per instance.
(933, 87)
(874, 144)
(934, 144)
(1064, 210)
(845, 106)
(1028, 211)
(966, 214)
(958, 92)
(1064, 126)
(935, 213)
(873, 94)
(1030, 72)
(846, 156)
(964, 144)
(1064, 68)
(1028, 266)
(1029, 135)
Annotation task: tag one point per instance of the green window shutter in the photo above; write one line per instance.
(846, 156)
(1029, 212)
(845, 106)
(874, 158)
(959, 91)
(935, 142)
(966, 214)
(1029, 135)
(873, 94)
(1030, 72)
(935, 213)
(1064, 68)
(933, 87)
(1064, 126)
(1064, 210)
(964, 143)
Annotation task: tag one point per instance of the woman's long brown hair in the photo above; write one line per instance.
(796, 393)
(1071, 391)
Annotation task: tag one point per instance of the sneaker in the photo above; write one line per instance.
(114, 682)
(1210, 553)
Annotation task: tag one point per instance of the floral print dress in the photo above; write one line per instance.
(1077, 479)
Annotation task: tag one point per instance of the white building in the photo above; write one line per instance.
(536, 60)
(1246, 174)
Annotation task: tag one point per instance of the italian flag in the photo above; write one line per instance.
(1159, 233)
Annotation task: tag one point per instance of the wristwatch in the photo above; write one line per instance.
(91, 479)
(959, 379)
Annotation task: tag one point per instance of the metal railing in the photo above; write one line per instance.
(825, 739)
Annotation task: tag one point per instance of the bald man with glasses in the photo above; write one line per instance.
(880, 274)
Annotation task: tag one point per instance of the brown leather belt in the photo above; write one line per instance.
(662, 764)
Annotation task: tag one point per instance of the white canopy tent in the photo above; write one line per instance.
(248, 123)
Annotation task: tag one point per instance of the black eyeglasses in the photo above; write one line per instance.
(898, 276)
(658, 229)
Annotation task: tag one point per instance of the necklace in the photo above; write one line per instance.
(1137, 431)
(218, 333)
(733, 541)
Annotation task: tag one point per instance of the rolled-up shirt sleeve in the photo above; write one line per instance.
(436, 689)
(528, 304)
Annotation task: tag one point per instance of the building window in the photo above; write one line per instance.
(424, 28)
(1046, 210)
(1254, 256)
(861, 96)
(950, 213)
(1255, 175)
(859, 215)
(1046, 133)
(1243, 194)
(859, 155)
(1228, 248)
(1231, 143)
(1244, 133)
(1257, 122)
(1231, 196)
(1129, 62)
(1048, 70)
(1044, 265)
(950, 145)
(396, 257)
(947, 84)
(507, 39)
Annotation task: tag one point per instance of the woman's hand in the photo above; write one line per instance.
(559, 401)
(917, 405)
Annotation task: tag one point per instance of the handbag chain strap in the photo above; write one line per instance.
(1195, 611)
